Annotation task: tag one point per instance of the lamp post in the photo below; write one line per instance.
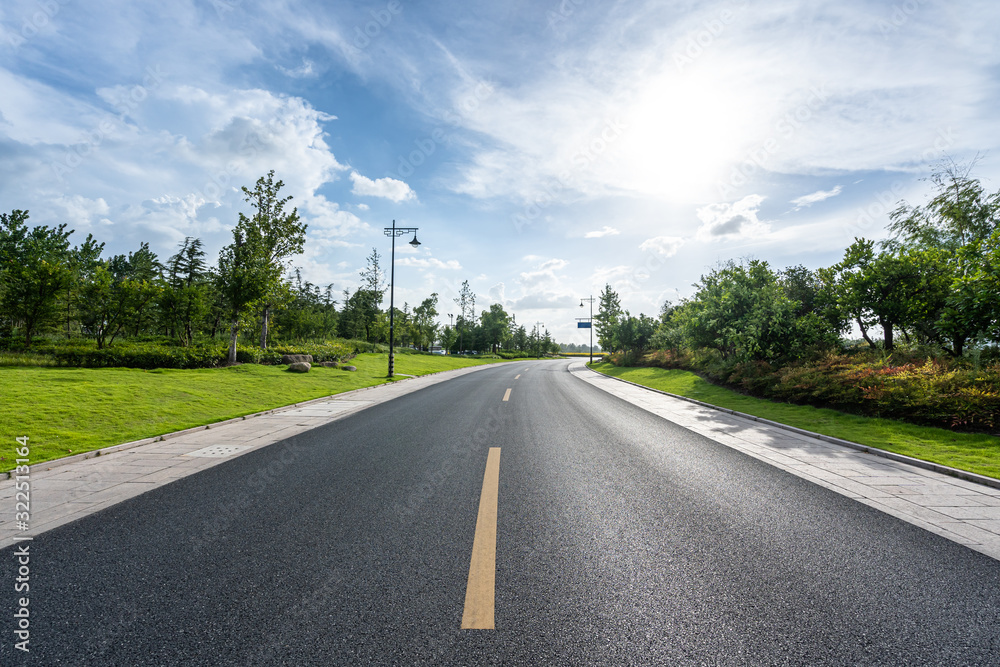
(395, 231)
(591, 300)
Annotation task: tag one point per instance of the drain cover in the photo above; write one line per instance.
(217, 451)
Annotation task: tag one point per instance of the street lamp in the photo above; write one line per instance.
(591, 327)
(395, 231)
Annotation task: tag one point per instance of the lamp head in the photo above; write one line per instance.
(414, 242)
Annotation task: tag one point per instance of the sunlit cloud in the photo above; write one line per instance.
(603, 231)
(387, 188)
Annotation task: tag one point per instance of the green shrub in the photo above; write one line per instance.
(951, 393)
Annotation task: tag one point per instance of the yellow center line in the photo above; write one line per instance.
(479, 593)
(506, 395)
(517, 376)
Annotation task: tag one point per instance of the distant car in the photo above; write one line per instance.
(438, 350)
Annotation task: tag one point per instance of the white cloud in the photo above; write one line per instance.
(302, 71)
(818, 196)
(497, 292)
(604, 231)
(737, 220)
(388, 188)
(544, 273)
(665, 246)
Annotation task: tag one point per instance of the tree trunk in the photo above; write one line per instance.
(887, 335)
(263, 326)
(957, 346)
(864, 333)
(234, 334)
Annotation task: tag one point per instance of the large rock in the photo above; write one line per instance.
(296, 358)
(348, 368)
(299, 366)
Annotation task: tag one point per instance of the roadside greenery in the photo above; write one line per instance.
(978, 453)
(924, 302)
(136, 310)
(72, 410)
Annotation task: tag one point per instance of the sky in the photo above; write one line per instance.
(543, 149)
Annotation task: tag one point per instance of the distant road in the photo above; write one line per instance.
(620, 538)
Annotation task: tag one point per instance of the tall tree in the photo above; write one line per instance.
(877, 289)
(466, 302)
(424, 319)
(185, 299)
(250, 268)
(368, 302)
(34, 270)
(495, 323)
(946, 238)
(608, 318)
(84, 260)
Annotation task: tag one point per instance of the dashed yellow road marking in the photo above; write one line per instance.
(506, 395)
(481, 589)
(517, 376)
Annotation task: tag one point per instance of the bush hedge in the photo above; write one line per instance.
(941, 391)
(164, 354)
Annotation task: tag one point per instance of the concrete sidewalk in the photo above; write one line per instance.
(71, 488)
(960, 510)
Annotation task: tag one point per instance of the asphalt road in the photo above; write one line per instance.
(620, 539)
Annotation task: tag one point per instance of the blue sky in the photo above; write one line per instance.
(542, 148)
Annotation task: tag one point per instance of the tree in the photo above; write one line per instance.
(424, 321)
(947, 239)
(143, 270)
(185, 299)
(34, 270)
(608, 318)
(495, 326)
(466, 302)
(84, 259)
(960, 213)
(877, 289)
(368, 301)
(250, 268)
(742, 311)
(114, 295)
(449, 338)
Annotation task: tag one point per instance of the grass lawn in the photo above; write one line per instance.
(71, 410)
(972, 452)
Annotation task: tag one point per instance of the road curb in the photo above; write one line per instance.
(892, 456)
